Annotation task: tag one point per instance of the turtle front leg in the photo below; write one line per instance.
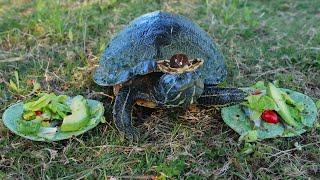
(122, 113)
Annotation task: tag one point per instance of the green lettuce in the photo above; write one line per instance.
(261, 102)
(50, 104)
(258, 103)
(28, 127)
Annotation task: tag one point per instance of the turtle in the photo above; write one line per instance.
(162, 60)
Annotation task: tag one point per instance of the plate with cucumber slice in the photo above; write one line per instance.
(49, 117)
(271, 112)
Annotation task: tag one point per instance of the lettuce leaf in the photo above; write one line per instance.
(40, 103)
(295, 113)
(260, 103)
(49, 103)
(298, 105)
(28, 127)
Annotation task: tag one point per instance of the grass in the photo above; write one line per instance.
(58, 45)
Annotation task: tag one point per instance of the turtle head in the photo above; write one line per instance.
(181, 83)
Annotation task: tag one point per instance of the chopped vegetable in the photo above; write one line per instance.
(49, 104)
(43, 112)
(261, 102)
(38, 113)
(80, 115)
(295, 114)
(45, 123)
(28, 127)
(40, 103)
(270, 116)
(252, 124)
(299, 106)
(283, 110)
(268, 102)
(38, 129)
(47, 132)
(29, 115)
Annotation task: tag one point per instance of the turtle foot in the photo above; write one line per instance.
(132, 134)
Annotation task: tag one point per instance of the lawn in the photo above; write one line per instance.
(59, 44)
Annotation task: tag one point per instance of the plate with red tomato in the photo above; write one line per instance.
(270, 112)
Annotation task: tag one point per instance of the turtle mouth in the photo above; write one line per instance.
(166, 67)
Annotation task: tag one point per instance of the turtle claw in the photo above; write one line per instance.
(131, 134)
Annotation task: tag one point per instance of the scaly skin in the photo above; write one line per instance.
(142, 90)
(220, 97)
(122, 113)
(126, 98)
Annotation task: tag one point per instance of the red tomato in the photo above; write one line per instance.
(38, 113)
(270, 116)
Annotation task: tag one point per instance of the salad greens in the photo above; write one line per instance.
(80, 115)
(45, 113)
(260, 103)
(50, 105)
(28, 127)
(284, 112)
(49, 130)
(272, 98)
(265, 113)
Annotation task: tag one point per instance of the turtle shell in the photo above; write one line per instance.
(153, 37)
